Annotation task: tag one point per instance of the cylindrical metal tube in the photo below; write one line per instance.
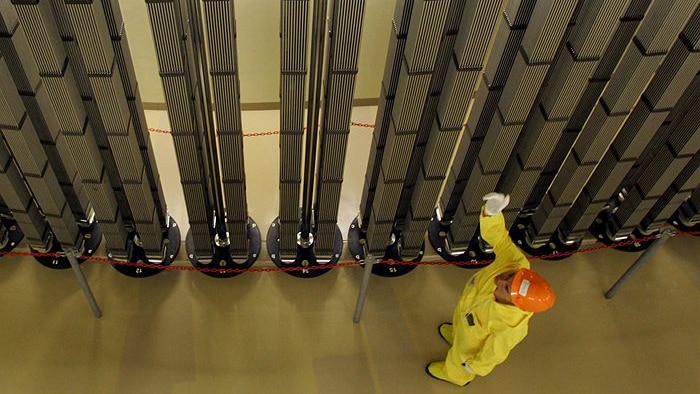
(663, 237)
(70, 255)
(362, 295)
(202, 75)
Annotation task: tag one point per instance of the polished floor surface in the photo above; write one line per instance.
(184, 332)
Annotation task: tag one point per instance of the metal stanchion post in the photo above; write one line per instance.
(665, 235)
(362, 295)
(83, 283)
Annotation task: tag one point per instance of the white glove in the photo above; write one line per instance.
(495, 202)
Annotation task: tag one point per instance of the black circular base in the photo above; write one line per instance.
(551, 250)
(91, 236)
(356, 240)
(305, 257)
(599, 229)
(13, 235)
(474, 255)
(136, 254)
(678, 222)
(221, 264)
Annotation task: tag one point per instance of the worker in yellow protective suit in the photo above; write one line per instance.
(496, 305)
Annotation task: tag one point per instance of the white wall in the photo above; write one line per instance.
(258, 25)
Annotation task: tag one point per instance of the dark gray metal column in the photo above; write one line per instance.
(306, 232)
(420, 191)
(464, 63)
(687, 217)
(644, 60)
(346, 21)
(665, 180)
(679, 133)
(94, 37)
(55, 70)
(418, 63)
(589, 45)
(510, 87)
(387, 96)
(223, 70)
(15, 194)
(50, 171)
(293, 35)
(88, 139)
(570, 96)
(566, 83)
(175, 62)
(468, 178)
(122, 52)
(23, 139)
(220, 230)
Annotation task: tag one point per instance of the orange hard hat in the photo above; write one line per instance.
(530, 292)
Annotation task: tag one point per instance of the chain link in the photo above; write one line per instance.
(263, 133)
(369, 125)
(152, 130)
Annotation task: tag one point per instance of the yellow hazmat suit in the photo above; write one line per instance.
(485, 330)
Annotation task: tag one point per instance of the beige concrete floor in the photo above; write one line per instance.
(184, 332)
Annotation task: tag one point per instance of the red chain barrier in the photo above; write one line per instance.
(369, 125)
(31, 254)
(261, 133)
(152, 130)
(337, 265)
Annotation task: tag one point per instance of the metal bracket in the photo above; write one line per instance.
(553, 246)
(91, 236)
(12, 235)
(476, 251)
(357, 240)
(136, 253)
(599, 229)
(221, 260)
(305, 256)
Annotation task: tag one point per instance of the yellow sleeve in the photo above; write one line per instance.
(496, 349)
(493, 230)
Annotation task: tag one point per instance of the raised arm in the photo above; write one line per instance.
(493, 230)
